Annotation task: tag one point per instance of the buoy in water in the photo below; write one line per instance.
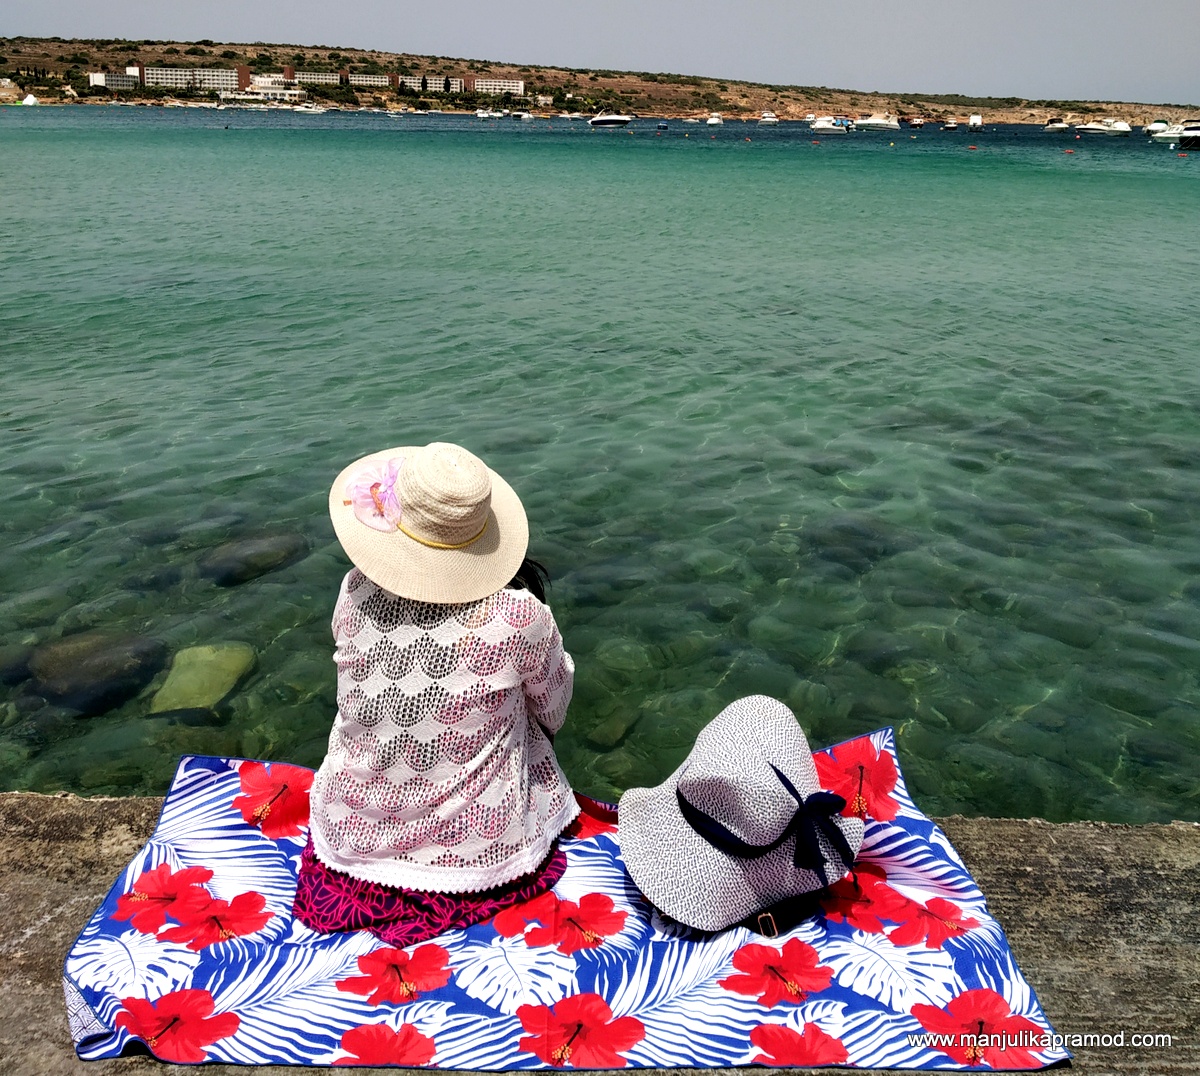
(1068, 151)
(972, 147)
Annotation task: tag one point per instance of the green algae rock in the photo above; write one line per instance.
(623, 655)
(611, 731)
(201, 676)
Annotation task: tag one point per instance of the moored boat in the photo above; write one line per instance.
(877, 121)
(610, 119)
(975, 122)
(768, 119)
(1176, 132)
(1056, 123)
(1110, 127)
(714, 119)
(836, 125)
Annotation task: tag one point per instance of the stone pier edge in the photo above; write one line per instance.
(1104, 921)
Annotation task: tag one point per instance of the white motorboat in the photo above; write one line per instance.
(522, 116)
(975, 122)
(916, 121)
(610, 119)
(1113, 128)
(309, 108)
(768, 119)
(1056, 123)
(714, 119)
(1156, 126)
(950, 125)
(831, 125)
(877, 121)
(1175, 133)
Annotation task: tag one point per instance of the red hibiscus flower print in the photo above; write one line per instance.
(862, 776)
(811, 1047)
(579, 926)
(864, 900)
(594, 818)
(274, 798)
(513, 921)
(162, 892)
(931, 923)
(378, 1044)
(220, 920)
(177, 1025)
(579, 1031)
(392, 975)
(984, 1030)
(790, 975)
(563, 923)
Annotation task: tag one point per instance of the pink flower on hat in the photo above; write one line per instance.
(372, 494)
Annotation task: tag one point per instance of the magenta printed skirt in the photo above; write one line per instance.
(328, 900)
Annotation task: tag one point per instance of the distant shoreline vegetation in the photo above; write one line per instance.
(57, 69)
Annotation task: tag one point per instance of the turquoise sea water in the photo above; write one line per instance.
(896, 430)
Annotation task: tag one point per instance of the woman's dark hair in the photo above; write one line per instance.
(533, 577)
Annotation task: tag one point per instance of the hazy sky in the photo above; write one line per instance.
(1125, 50)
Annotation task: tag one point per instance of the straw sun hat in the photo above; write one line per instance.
(430, 523)
(742, 825)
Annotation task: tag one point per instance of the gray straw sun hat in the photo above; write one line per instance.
(430, 523)
(742, 825)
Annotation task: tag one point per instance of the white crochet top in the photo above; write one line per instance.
(439, 775)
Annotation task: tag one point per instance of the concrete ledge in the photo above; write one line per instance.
(1104, 921)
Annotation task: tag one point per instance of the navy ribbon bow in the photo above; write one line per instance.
(813, 818)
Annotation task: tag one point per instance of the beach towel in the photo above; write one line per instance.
(194, 955)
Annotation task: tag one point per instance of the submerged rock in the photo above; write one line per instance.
(611, 731)
(95, 671)
(192, 717)
(201, 676)
(855, 541)
(42, 605)
(14, 663)
(246, 559)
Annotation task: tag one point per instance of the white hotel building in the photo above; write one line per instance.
(498, 86)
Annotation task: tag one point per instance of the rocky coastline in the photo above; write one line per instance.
(59, 66)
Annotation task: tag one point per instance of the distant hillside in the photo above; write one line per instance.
(48, 66)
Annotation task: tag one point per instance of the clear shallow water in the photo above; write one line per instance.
(900, 432)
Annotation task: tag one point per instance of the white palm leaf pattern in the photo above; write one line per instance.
(478, 1043)
(129, 964)
(705, 1042)
(505, 973)
(913, 863)
(282, 980)
(211, 833)
(897, 977)
(981, 947)
(664, 971)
